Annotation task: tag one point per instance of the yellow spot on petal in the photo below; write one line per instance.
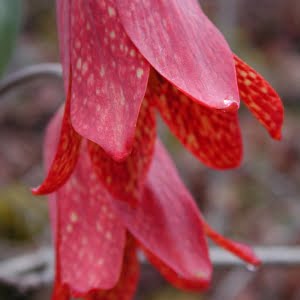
(132, 52)
(139, 73)
(243, 73)
(247, 82)
(102, 71)
(112, 34)
(264, 90)
(73, 217)
(79, 63)
(111, 11)
(200, 275)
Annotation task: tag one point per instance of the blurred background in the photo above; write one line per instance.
(257, 203)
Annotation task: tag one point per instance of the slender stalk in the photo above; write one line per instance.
(29, 73)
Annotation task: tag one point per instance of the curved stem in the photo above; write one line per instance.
(29, 73)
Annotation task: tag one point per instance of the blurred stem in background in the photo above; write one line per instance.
(10, 21)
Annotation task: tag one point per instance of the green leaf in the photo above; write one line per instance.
(10, 19)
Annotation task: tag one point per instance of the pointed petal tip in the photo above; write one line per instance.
(36, 191)
(260, 98)
(117, 149)
(242, 251)
(119, 155)
(42, 190)
(277, 135)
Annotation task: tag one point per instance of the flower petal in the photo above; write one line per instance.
(89, 238)
(93, 239)
(241, 250)
(166, 222)
(182, 44)
(213, 136)
(260, 98)
(110, 77)
(66, 155)
(126, 287)
(125, 180)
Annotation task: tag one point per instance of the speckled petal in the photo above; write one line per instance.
(260, 98)
(93, 240)
(126, 287)
(125, 179)
(213, 136)
(89, 238)
(243, 251)
(167, 223)
(110, 77)
(182, 44)
(65, 158)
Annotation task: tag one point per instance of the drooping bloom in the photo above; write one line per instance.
(108, 50)
(114, 185)
(97, 236)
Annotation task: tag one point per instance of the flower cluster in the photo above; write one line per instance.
(114, 188)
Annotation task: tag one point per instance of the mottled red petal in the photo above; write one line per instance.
(93, 239)
(182, 44)
(260, 98)
(63, 16)
(213, 136)
(241, 250)
(65, 158)
(176, 280)
(125, 180)
(126, 287)
(89, 238)
(167, 223)
(110, 77)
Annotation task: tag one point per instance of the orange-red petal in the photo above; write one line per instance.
(92, 238)
(167, 223)
(260, 98)
(125, 180)
(109, 79)
(213, 136)
(126, 286)
(89, 239)
(66, 155)
(183, 45)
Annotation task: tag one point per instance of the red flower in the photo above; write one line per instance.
(96, 236)
(108, 50)
(122, 61)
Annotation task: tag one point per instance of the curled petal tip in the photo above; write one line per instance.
(231, 105)
(36, 191)
(42, 190)
(120, 156)
(277, 136)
